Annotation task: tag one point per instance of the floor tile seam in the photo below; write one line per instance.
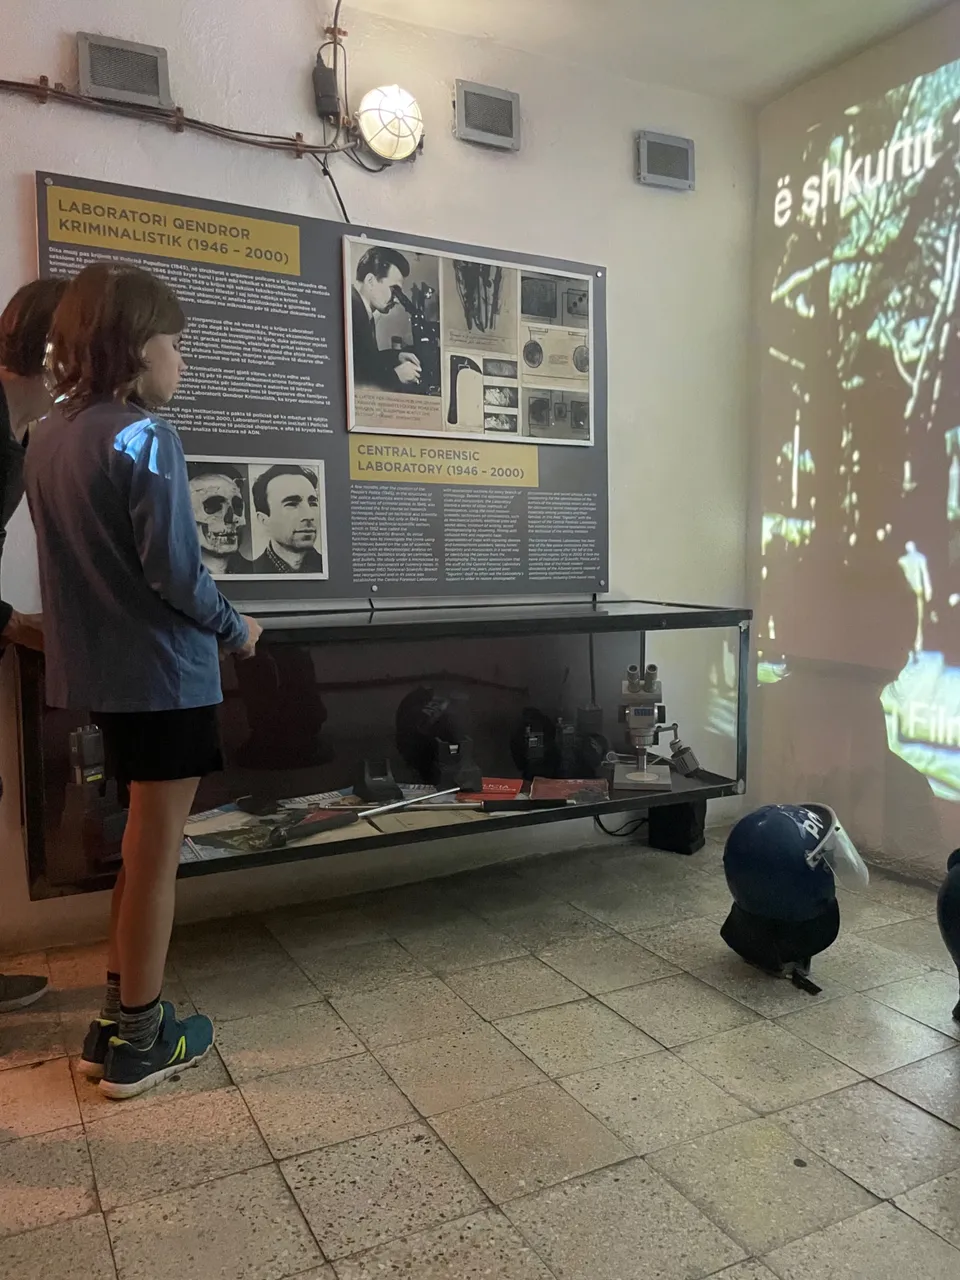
(40, 1133)
(493, 1097)
(456, 995)
(326, 1146)
(773, 1118)
(416, 1121)
(728, 1232)
(416, 1236)
(362, 1052)
(879, 1080)
(866, 1074)
(880, 928)
(484, 964)
(62, 1222)
(770, 1017)
(913, 1217)
(759, 1113)
(597, 995)
(217, 970)
(529, 1197)
(59, 1221)
(263, 1013)
(629, 1057)
(263, 963)
(223, 1177)
(488, 1204)
(312, 954)
(684, 1043)
(610, 1133)
(764, 1258)
(184, 1187)
(564, 1182)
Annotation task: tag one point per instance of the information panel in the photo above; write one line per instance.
(283, 312)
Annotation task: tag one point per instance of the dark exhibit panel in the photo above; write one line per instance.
(484, 717)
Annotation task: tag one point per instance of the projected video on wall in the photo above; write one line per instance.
(861, 410)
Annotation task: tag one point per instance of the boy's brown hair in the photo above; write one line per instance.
(25, 324)
(107, 315)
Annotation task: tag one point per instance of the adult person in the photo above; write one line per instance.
(286, 499)
(135, 625)
(220, 512)
(914, 567)
(24, 397)
(380, 271)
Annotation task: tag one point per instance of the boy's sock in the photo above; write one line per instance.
(139, 1026)
(111, 1000)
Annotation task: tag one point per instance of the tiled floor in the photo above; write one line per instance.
(554, 1069)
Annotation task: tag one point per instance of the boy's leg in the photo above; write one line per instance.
(151, 1044)
(150, 831)
(113, 946)
(151, 856)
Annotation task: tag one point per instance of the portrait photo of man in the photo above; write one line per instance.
(380, 274)
(218, 496)
(288, 511)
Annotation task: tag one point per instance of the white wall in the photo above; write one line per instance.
(679, 270)
(819, 734)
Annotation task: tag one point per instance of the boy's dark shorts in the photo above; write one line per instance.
(161, 746)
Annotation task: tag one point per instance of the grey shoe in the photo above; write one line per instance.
(17, 990)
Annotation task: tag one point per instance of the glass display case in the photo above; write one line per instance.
(475, 719)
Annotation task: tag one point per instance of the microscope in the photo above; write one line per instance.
(423, 308)
(643, 713)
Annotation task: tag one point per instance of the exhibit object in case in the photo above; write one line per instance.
(461, 720)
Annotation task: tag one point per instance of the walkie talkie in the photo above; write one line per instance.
(87, 761)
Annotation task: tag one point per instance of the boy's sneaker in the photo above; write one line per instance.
(95, 1046)
(129, 1071)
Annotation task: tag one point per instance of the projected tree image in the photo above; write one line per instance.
(861, 403)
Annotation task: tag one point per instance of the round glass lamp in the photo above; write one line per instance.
(390, 122)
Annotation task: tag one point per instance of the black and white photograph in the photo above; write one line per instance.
(480, 306)
(494, 368)
(496, 396)
(439, 345)
(219, 495)
(556, 414)
(550, 355)
(393, 336)
(557, 300)
(462, 392)
(502, 423)
(260, 518)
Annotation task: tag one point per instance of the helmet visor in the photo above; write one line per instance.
(839, 852)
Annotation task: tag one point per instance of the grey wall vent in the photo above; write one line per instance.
(487, 115)
(119, 71)
(664, 160)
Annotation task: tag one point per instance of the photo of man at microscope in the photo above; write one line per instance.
(395, 320)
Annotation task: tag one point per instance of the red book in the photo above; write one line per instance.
(493, 789)
(575, 790)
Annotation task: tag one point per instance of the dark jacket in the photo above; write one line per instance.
(268, 563)
(371, 366)
(11, 484)
(134, 618)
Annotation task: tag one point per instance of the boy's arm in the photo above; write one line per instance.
(166, 534)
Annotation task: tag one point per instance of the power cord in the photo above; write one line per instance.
(324, 164)
(629, 828)
(174, 119)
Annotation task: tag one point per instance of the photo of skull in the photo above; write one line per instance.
(260, 517)
(218, 492)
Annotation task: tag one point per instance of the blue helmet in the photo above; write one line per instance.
(782, 864)
(782, 861)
